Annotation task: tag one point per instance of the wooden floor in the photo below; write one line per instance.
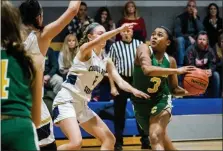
(133, 143)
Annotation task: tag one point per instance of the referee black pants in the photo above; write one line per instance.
(120, 102)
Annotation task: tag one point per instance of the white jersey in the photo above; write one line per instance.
(83, 77)
(31, 45)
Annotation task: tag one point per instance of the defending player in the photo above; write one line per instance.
(70, 105)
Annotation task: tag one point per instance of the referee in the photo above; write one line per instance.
(123, 54)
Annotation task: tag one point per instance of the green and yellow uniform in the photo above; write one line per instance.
(18, 130)
(158, 89)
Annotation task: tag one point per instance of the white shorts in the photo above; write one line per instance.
(45, 130)
(66, 105)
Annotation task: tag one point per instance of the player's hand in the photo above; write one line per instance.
(74, 4)
(186, 69)
(114, 92)
(140, 94)
(127, 26)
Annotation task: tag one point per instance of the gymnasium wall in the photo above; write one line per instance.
(155, 13)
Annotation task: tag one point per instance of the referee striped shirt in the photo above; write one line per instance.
(123, 56)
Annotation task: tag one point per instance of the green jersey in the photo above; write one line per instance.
(156, 87)
(16, 98)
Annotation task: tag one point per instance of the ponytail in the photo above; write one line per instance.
(11, 38)
(89, 30)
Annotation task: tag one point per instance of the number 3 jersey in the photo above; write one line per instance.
(83, 77)
(155, 86)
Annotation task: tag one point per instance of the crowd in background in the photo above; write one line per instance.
(199, 43)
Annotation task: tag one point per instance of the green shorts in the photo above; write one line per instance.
(18, 134)
(144, 110)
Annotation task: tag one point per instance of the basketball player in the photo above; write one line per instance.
(21, 79)
(37, 42)
(154, 72)
(70, 105)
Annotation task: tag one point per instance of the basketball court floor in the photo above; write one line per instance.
(133, 143)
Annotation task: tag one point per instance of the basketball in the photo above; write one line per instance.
(196, 82)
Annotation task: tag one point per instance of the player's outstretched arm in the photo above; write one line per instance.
(144, 60)
(86, 48)
(54, 28)
(122, 83)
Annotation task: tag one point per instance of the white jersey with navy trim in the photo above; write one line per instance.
(83, 77)
(45, 130)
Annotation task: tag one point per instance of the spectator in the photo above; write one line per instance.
(187, 25)
(103, 17)
(80, 22)
(213, 24)
(219, 55)
(131, 16)
(51, 79)
(202, 56)
(67, 54)
(123, 54)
